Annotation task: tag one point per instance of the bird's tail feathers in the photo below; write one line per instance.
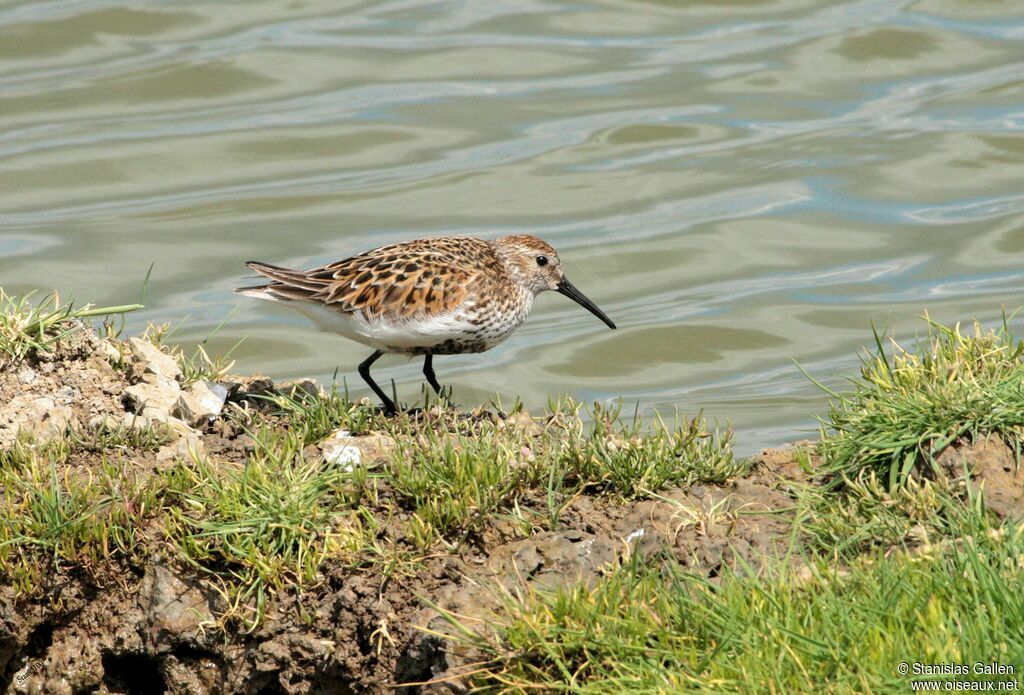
(256, 292)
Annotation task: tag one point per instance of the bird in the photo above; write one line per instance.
(444, 295)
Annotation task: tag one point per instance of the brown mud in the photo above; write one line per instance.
(146, 624)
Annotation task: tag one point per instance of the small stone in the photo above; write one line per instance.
(65, 395)
(639, 533)
(348, 457)
(40, 415)
(201, 403)
(146, 398)
(338, 451)
(300, 388)
(247, 387)
(154, 360)
(26, 375)
(186, 447)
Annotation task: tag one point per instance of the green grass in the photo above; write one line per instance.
(866, 515)
(454, 473)
(110, 437)
(317, 415)
(456, 477)
(884, 568)
(906, 408)
(455, 485)
(634, 460)
(893, 563)
(52, 516)
(652, 627)
(28, 327)
(254, 528)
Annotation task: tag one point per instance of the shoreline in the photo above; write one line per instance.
(219, 533)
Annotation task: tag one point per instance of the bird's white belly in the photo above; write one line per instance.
(452, 332)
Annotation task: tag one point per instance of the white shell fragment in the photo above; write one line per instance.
(339, 450)
(639, 533)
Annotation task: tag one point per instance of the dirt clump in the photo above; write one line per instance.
(66, 388)
(990, 465)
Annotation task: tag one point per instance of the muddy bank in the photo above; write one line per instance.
(148, 621)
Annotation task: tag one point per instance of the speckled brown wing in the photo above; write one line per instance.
(424, 277)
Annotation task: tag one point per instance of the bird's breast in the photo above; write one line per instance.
(475, 326)
(494, 321)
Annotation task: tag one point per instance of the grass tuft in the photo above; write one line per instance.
(27, 328)
(316, 415)
(867, 515)
(635, 461)
(453, 485)
(906, 408)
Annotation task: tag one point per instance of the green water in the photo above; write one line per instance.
(739, 184)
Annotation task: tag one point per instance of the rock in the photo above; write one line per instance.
(154, 360)
(634, 535)
(200, 403)
(65, 395)
(258, 385)
(149, 399)
(299, 389)
(39, 415)
(184, 448)
(26, 375)
(339, 450)
(345, 450)
(175, 612)
(348, 457)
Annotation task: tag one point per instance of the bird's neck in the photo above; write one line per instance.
(511, 261)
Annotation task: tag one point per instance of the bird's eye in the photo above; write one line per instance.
(542, 260)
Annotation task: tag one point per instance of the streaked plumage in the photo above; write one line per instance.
(441, 296)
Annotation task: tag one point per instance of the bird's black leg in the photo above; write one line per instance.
(428, 371)
(364, 371)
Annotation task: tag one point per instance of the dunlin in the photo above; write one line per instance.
(441, 296)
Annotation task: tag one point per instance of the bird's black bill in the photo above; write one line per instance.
(569, 290)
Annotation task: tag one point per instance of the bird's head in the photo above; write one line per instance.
(535, 265)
